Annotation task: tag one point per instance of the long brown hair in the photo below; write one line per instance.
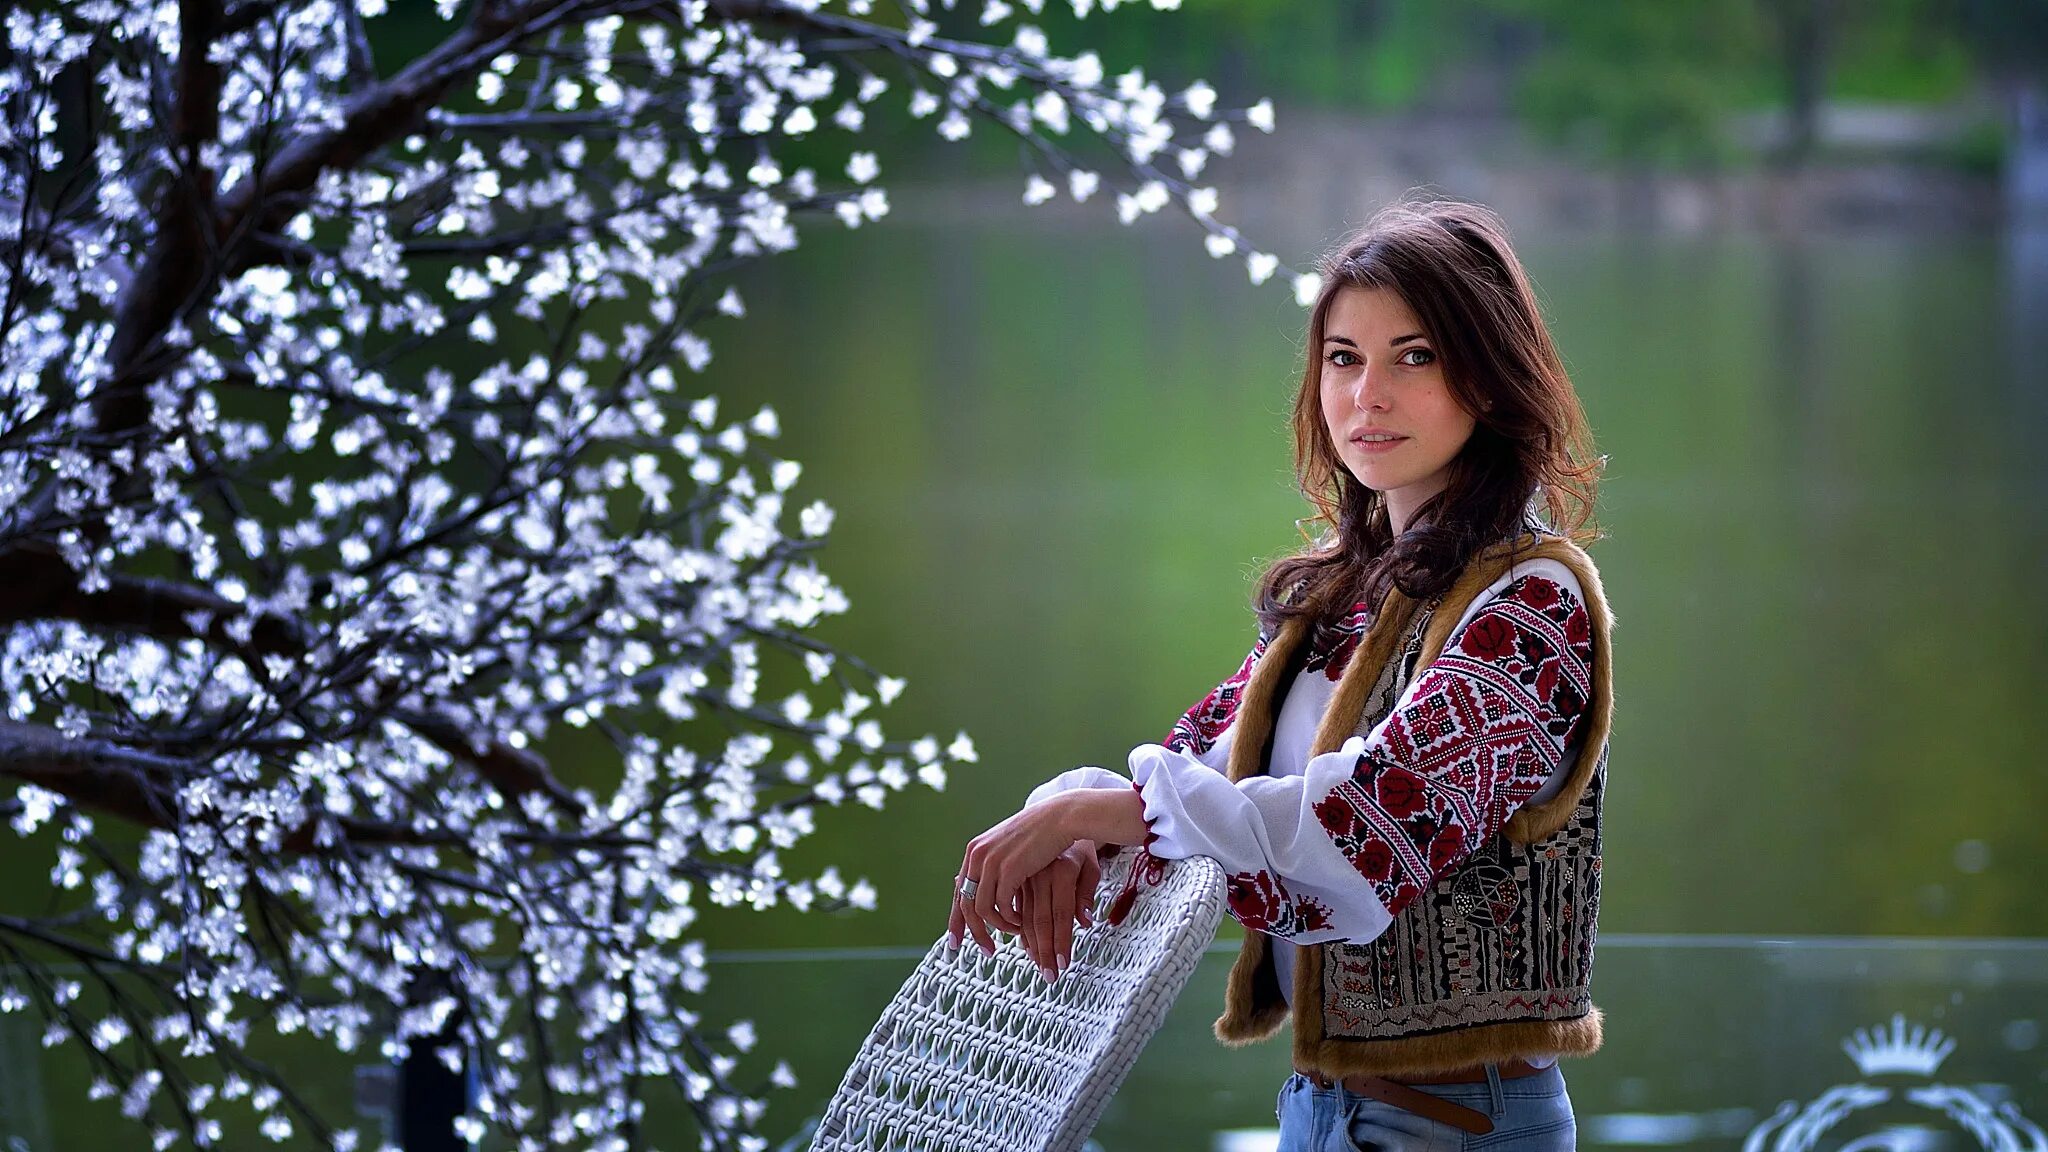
(1451, 263)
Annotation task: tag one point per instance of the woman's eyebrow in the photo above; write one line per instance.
(1396, 342)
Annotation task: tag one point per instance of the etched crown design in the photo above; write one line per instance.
(1917, 1050)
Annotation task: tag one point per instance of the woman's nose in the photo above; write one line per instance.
(1368, 392)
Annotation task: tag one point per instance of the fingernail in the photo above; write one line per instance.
(1047, 973)
(1063, 964)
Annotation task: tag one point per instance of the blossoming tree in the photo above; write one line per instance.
(302, 575)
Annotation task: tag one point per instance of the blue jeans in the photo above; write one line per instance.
(1530, 1114)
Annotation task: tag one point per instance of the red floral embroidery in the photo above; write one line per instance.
(1578, 630)
(1261, 902)
(1375, 861)
(1489, 638)
(1198, 730)
(1400, 793)
(1336, 817)
(1341, 655)
(1481, 733)
(1331, 648)
(1447, 849)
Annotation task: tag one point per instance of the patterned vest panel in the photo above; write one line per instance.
(1495, 960)
(1506, 936)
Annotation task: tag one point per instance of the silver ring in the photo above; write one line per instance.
(967, 889)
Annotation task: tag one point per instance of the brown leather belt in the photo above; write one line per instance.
(1400, 1095)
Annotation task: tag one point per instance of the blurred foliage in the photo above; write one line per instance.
(1623, 80)
(1641, 82)
(1979, 149)
(1375, 54)
(1909, 50)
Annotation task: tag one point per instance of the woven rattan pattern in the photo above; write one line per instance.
(979, 1052)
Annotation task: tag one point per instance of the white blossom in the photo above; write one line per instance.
(392, 460)
(1306, 286)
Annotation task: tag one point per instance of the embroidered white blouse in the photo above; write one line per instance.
(1335, 846)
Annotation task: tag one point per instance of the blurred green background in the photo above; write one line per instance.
(1796, 256)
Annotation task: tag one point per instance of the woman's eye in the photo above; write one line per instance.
(1413, 357)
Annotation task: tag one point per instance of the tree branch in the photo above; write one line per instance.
(197, 116)
(513, 771)
(36, 584)
(126, 782)
(135, 786)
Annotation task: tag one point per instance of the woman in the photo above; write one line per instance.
(1404, 779)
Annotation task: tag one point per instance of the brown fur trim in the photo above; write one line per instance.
(1450, 1051)
(1255, 712)
(1253, 1010)
(1308, 990)
(1347, 703)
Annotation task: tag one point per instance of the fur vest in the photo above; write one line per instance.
(1495, 960)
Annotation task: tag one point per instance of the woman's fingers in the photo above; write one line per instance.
(960, 919)
(963, 909)
(1084, 888)
(1027, 901)
(1060, 921)
(956, 924)
(1042, 913)
(1041, 919)
(995, 896)
(980, 932)
(982, 936)
(1002, 859)
(1045, 921)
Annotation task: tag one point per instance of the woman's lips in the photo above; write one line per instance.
(1379, 445)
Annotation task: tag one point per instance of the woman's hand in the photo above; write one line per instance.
(1054, 900)
(1000, 861)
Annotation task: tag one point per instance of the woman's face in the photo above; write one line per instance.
(1382, 376)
